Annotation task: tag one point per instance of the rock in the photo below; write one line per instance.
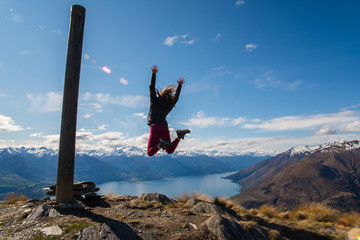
(41, 211)
(193, 201)
(157, 197)
(72, 204)
(79, 189)
(112, 230)
(225, 229)
(207, 208)
(259, 233)
(54, 230)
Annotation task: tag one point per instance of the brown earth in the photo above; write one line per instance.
(151, 220)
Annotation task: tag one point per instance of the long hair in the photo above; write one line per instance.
(168, 92)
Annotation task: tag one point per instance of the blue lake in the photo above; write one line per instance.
(213, 185)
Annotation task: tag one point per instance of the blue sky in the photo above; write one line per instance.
(260, 75)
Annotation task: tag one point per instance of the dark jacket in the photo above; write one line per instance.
(160, 106)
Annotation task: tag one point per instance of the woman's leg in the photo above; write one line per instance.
(154, 140)
(171, 149)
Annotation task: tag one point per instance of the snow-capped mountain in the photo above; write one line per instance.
(333, 146)
(327, 173)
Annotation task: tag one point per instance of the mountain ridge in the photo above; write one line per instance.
(329, 173)
(39, 165)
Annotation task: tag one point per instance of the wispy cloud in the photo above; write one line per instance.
(269, 80)
(169, 41)
(250, 47)
(240, 3)
(140, 115)
(200, 120)
(8, 125)
(184, 39)
(322, 124)
(132, 101)
(217, 37)
(49, 102)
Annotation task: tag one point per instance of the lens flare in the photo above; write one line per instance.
(106, 69)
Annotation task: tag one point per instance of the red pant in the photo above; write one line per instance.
(157, 132)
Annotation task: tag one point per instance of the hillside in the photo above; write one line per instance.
(154, 216)
(27, 170)
(329, 174)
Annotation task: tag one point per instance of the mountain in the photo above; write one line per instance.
(328, 173)
(31, 169)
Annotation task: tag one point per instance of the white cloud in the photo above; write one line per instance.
(250, 47)
(140, 115)
(200, 120)
(50, 141)
(50, 102)
(102, 127)
(326, 129)
(87, 116)
(169, 41)
(189, 42)
(263, 145)
(217, 37)
(123, 81)
(268, 80)
(239, 2)
(132, 101)
(289, 123)
(351, 127)
(8, 125)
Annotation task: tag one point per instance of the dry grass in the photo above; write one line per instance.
(268, 211)
(15, 197)
(349, 220)
(140, 204)
(193, 195)
(315, 212)
(222, 202)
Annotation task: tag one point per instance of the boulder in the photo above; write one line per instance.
(51, 231)
(207, 208)
(225, 229)
(112, 230)
(259, 233)
(41, 211)
(157, 197)
(193, 201)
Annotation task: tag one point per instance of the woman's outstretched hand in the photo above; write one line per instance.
(181, 81)
(154, 69)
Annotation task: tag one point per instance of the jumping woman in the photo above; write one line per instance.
(161, 103)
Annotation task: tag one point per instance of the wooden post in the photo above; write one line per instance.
(66, 161)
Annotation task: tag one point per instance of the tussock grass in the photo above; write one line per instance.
(12, 198)
(222, 202)
(192, 195)
(349, 220)
(268, 211)
(317, 212)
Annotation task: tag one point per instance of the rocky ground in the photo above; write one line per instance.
(151, 216)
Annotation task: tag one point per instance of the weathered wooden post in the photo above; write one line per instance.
(66, 161)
